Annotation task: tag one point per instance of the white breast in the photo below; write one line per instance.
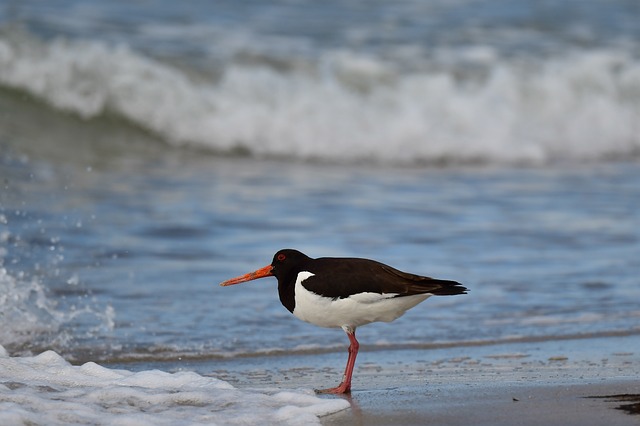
(353, 311)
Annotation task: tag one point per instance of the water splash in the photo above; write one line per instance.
(32, 318)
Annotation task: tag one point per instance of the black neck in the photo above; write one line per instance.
(286, 291)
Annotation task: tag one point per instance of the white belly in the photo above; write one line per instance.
(352, 311)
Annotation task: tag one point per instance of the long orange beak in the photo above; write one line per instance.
(260, 273)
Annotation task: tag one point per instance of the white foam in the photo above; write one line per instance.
(48, 390)
(582, 105)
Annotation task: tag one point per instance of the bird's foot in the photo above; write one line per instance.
(340, 389)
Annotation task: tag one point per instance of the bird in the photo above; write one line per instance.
(343, 292)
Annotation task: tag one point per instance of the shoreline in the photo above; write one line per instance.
(170, 357)
(551, 382)
(556, 382)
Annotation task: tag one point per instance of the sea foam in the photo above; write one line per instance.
(46, 389)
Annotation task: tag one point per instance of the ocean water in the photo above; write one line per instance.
(150, 150)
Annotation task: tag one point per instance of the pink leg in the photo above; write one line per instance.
(345, 385)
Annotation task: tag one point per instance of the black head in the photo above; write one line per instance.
(286, 262)
(286, 265)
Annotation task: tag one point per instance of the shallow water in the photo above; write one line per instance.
(123, 260)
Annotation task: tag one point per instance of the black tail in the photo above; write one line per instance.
(447, 288)
(408, 284)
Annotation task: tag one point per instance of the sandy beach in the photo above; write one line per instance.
(566, 382)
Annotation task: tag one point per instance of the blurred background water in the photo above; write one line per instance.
(151, 149)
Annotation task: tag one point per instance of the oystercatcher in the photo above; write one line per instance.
(346, 293)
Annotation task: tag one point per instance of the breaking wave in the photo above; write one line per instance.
(460, 106)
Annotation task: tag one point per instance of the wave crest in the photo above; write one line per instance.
(458, 106)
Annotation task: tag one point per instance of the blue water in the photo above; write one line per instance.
(149, 151)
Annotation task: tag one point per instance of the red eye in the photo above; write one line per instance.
(281, 257)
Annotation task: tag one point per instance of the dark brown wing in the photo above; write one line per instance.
(342, 277)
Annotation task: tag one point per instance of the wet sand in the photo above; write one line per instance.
(485, 403)
(551, 382)
(524, 384)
